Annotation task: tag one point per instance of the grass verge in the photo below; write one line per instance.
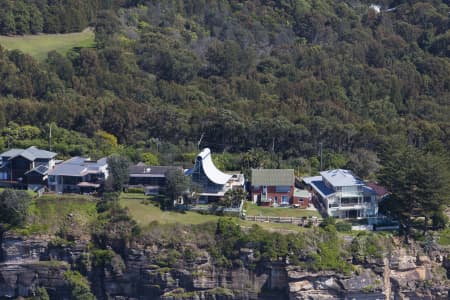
(255, 210)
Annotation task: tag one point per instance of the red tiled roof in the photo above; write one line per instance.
(380, 190)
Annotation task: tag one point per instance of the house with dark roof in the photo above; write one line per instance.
(25, 168)
(341, 194)
(78, 175)
(213, 182)
(151, 178)
(276, 187)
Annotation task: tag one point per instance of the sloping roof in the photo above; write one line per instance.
(31, 153)
(78, 166)
(64, 169)
(273, 177)
(210, 170)
(320, 187)
(378, 189)
(41, 169)
(308, 180)
(301, 193)
(340, 177)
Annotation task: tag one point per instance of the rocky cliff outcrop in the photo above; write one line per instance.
(33, 261)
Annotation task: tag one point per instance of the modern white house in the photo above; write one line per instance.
(213, 182)
(343, 195)
(78, 175)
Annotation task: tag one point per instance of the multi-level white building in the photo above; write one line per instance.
(343, 195)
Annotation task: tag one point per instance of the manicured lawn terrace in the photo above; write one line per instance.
(255, 210)
(39, 45)
(145, 212)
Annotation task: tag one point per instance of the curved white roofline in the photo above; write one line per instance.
(211, 171)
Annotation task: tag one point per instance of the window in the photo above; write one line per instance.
(51, 178)
(282, 189)
(285, 199)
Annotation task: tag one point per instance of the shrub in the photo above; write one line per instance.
(343, 227)
(135, 190)
(79, 285)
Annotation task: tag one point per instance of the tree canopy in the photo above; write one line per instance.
(418, 183)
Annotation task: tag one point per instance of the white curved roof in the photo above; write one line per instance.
(211, 171)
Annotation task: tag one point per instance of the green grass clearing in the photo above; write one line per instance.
(144, 212)
(50, 213)
(255, 210)
(39, 45)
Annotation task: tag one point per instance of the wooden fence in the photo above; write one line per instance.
(289, 220)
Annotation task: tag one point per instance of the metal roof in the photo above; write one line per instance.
(340, 177)
(31, 153)
(41, 169)
(211, 171)
(78, 166)
(273, 177)
(301, 193)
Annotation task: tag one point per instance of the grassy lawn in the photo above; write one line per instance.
(52, 212)
(255, 210)
(39, 45)
(145, 212)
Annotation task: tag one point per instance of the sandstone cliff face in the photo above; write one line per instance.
(30, 262)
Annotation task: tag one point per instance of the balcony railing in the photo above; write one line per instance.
(264, 198)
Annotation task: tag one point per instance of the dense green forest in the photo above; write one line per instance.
(272, 79)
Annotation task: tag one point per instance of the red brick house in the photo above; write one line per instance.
(301, 198)
(275, 187)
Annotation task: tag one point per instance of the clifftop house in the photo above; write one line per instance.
(341, 194)
(213, 182)
(25, 168)
(151, 178)
(78, 175)
(276, 187)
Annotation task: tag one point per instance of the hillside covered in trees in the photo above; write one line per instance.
(274, 78)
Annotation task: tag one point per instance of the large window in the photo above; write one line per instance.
(349, 201)
(285, 199)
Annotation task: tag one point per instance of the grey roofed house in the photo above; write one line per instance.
(151, 178)
(79, 166)
(21, 168)
(273, 177)
(31, 153)
(79, 175)
(340, 177)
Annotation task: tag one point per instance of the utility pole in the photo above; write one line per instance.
(50, 138)
(200, 141)
(320, 156)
